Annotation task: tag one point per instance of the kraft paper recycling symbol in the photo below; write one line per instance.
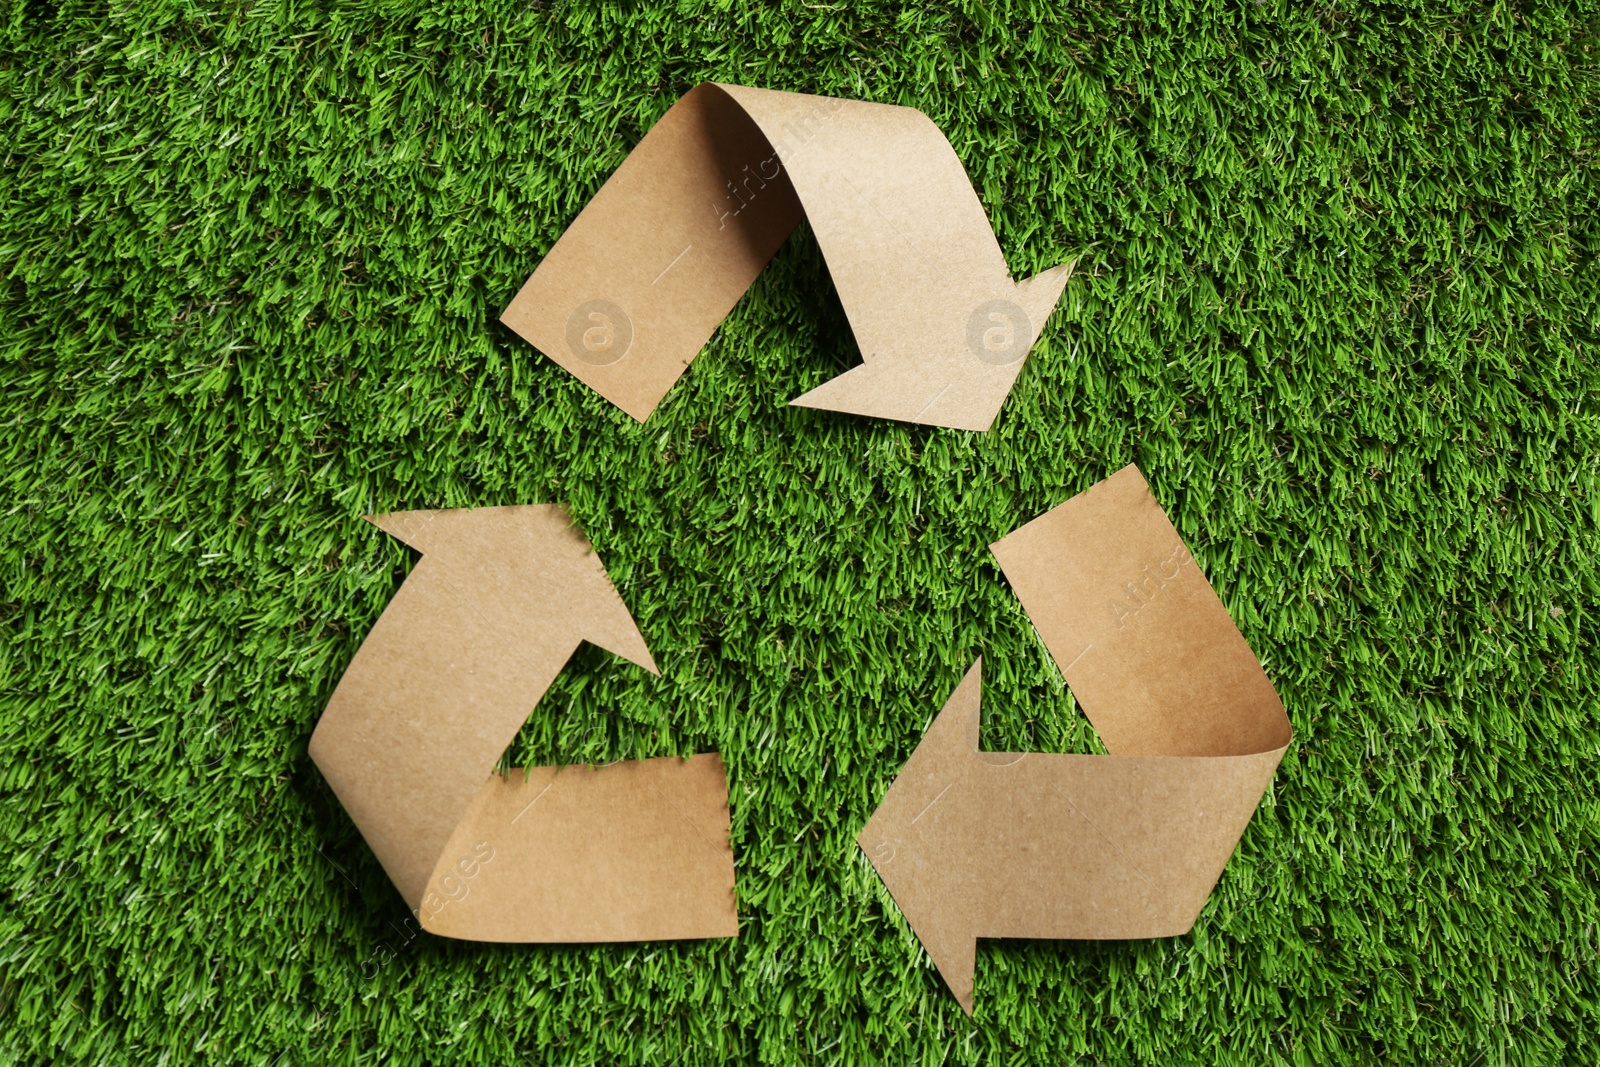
(970, 844)
(637, 284)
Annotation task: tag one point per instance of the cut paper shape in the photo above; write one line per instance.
(499, 602)
(637, 284)
(1006, 844)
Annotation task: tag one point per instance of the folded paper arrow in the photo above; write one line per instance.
(486, 620)
(634, 288)
(999, 844)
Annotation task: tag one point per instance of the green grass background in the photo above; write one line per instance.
(1336, 294)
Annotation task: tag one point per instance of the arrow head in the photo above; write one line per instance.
(507, 560)
(1038, 295)
(917, 838)
(956, 372)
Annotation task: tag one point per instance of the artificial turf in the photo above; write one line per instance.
(1336, 295)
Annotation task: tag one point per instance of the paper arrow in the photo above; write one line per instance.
(479, 630)
(979, 844)
(637, 284)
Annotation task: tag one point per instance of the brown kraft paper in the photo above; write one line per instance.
(1129, 845)
(500, 600)
(635, 287)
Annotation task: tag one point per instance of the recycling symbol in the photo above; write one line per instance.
(969, 843)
